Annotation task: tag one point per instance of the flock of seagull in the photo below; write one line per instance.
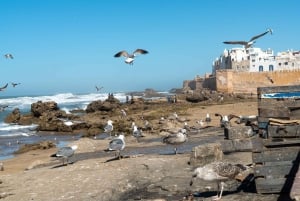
(215, 171)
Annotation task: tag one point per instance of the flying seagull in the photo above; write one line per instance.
(98, 88)
(15, 84)
(249, 43)
(219, 172)
(129, 58)
(8, 56)
(117, 144)
(65, 153)
(4, 87)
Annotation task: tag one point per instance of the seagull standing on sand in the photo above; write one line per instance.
(109, 127)
(249, 43)
(65, 153)
(137, 133)
(129, 58)
(8, 56)
(117, 144)
(4, 87)
(176, 139)
(219, 172)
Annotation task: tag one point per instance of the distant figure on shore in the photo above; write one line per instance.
(129, 58)
(8, 56)
(4, 87)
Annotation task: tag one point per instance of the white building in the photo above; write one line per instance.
(256, 60)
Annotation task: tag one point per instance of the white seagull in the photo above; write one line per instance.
(249, 43)
(129, 58)
(219, 172)
(109, 127)
(176, 139)
(8, 56)
(65, 153)
(117, 144)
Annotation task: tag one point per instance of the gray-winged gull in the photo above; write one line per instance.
(109, 127)
(4, 87)
(137, 133)
(15, 84)
(8, 56)
(129, 58)
(65, 153)
(176, 139)
(117, 144)
(249, 43)
(219, 172)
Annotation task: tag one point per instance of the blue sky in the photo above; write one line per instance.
(68, 45)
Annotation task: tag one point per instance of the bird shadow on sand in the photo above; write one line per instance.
(62, 165)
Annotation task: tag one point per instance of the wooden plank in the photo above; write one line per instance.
(289, 142)
(290, 88)
(270, 103)
(283, 113)
(271, 171)
(238, 132)
(235, 145)
(271, 185)
(295, 190)
(257, 145)
(276, 154)
(284, 131)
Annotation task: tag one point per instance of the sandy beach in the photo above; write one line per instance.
(154, 175)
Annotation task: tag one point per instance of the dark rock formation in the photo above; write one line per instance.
(13, 117)
(40, 107)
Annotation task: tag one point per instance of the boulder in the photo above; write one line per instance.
(40, 107)
(13, 117)
(206, 153)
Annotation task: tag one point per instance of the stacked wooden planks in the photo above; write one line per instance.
(276, 157)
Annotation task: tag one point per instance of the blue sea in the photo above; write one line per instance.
(12, 136)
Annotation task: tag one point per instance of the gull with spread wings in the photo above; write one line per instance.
(249, 43)
(129, 58)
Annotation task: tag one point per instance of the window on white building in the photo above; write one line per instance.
(271, 68)
(261, 68)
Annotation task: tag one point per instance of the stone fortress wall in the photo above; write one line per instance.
(230, 81)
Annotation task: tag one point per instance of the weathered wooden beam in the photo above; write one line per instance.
(276, 154)
(269, 103)
(238, 132)
(284, 131)
(274, 112)
(235, 145)
(290, 88)
(271, 185)
(271, 171)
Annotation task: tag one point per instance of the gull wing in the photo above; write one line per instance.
(236, 42)
(116, 144)
(140, 51)
(260, 35)
(4, 87)
(122, 53)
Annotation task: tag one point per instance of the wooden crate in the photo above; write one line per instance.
(275, 163)
(279, 102)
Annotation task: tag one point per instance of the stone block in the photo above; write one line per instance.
(206, 153)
